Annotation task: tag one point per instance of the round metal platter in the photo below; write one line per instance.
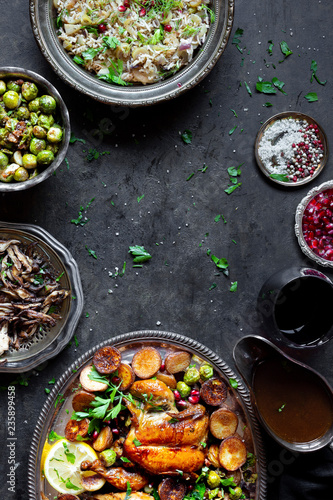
(46, 345)
(54, 416)
(43, 22)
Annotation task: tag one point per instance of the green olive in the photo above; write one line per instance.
(45, 121)
(21, 174)
(45, 158)
(11, 99)
(191, 376)
(47, 104)
(29, 91)
(3, 87)
(54, 134)
(183, 389)
(29, 161)
(23, 113)
(3, 160)
(34, 105)
(37, 145)
(206, 372)
(12, 85)
(213, 480)
(7, 173)
(39, 132)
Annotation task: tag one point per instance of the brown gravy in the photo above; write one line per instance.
(293, 401)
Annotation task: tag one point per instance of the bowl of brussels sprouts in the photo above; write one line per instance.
(34, 129)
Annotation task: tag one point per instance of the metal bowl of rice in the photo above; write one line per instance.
(129, 52)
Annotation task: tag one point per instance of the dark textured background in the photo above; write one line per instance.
(147, 156)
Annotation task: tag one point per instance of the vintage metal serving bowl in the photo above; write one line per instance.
(43, 21)
(46, 345)
(7, 73)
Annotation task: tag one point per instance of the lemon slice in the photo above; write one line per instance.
(62, 465)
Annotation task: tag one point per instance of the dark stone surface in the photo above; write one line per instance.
(147, 157)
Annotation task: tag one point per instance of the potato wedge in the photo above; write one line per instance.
(76, 428)
(176, 362)
(214, 392)
(107, 360)
(104, 439)
(171, 489)
(232, 453)
(91, 385)
(82, 400)
(126, 375)
(213, 455)
(92, 483)
(146, 362)
(223, 423)
(167, 378)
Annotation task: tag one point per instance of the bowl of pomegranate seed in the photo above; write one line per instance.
(314, 224)
(291, 149)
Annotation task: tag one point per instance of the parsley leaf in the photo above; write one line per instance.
(75, 139)
(248, 89)
(237, 38)
(90, 53)
(233, 130)
(128, 490)
(314, 73)
(265, 87)
(231, 189)
(233, 287)
(285, 49)
(233, 382)
(70, 456)
(78, 60)
(53, 436)
(278, 84)
(187, 136)
(311, 97)
(281, 408)
(270, 47)
(97, 377)
(91, 252)
(115, 72)
(220, 263)
(137, 442)
(110, 42)
(280, 177)
(139, 253)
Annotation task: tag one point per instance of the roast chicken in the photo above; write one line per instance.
(163, 440)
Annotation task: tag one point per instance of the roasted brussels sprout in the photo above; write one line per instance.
(47, 104)
(235, 494)
(45, 158)
(2, 112)
(7, 173)
(191, 376)
(37, 145)
(183, 389)
(21, 174)
(45, 121)
(39, 132)
(22, 113)
(11, 99)
(54, 134)
(12, 85)
(109, 457)
(206, 372)
(29, 91)
(29, 161)
(34, 105)
(3, 87)
(213, 480)
(3, 160)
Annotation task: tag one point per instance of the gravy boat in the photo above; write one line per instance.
(248, 353)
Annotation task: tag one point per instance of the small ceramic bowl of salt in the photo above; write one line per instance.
(291, 148)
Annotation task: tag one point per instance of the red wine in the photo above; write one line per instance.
(303, 309)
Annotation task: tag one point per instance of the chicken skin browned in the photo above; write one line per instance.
(161, 439)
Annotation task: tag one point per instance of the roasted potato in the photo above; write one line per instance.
(76, 428)
(213, 455)
(223, 423)
(81, 400)
(232, 453)
(107, 360)
(126, 375)
(104, 439)
(171, 489)
(92, 483)
(88, 384)
(176, 362)
(168, 379)
(214, 392)
(146, 362)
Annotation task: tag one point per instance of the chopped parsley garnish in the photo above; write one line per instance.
(285, 49)
(187, 136)
(75, 139)
(220, 263)
(90, 53)
(93, 154)
(233, 130)
(265, 87)
(190, 176)
(231, 189)
(78, 60)
(91, 252)
(70, 456)
(115, 72)
(270, 47)
(237, 38)
(139, 253)
(128, 490)
(212, 286)
(137, 442)
(268, 104)
(234, 112)
(52, 381)
(281, 407)
(59, 400)
(314, 73)
(311, 97)
(110, 42)
(53, 436)
(79, 221)
(278, 84)
(125, 459)
(60, 276)
(233, 382)
(140, 198)
(248, 89)
(233, 287)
